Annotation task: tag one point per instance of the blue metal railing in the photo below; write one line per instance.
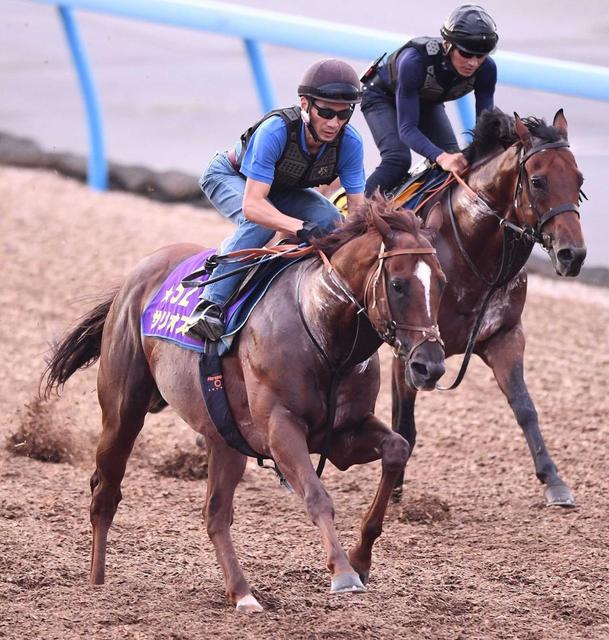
(256, 25)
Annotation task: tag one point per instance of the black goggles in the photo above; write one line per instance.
(328, 114)
(468, 55)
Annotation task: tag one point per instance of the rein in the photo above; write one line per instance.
(265, 254)
(376, 278)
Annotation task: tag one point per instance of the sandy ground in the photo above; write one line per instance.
(471, 553)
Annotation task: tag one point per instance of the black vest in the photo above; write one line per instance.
(295, 169)
(433, 56)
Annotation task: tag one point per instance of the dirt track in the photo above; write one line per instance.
(472, 553)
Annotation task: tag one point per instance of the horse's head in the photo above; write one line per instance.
(403, 290)
(548, 191)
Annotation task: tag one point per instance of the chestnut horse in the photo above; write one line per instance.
(528, 183)
(321, 322)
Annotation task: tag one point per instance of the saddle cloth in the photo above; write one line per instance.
(166, 315)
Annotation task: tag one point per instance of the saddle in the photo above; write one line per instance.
(415, 188)
(410, 193)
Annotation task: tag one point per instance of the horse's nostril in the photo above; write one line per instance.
(565, 255)
(420, 369)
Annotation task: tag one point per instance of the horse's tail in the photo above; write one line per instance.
(78, 349)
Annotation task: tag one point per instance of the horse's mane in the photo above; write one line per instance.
(377, 214)
(495, 130)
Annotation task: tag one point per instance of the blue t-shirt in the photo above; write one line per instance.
(268, 143)
(411, 74)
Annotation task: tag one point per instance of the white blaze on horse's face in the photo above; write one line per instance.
(423, 274)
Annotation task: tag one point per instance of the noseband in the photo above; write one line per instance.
(523, 179)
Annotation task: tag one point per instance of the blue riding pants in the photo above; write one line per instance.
(225, 186)
(381, 115)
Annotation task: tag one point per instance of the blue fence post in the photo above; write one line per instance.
(467, 113)
(264, 87)
(97, 170)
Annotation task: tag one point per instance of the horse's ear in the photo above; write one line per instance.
(560, 123)
(433, 223)
(522, 132)
(384, 229)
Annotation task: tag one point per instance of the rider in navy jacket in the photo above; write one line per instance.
(403, 97)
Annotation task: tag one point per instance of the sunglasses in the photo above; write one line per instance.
(468, 56)
(328, 114)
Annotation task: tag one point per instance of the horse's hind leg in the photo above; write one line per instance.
(125, 387)
(361, 444)
(504, 353)
(225, 469)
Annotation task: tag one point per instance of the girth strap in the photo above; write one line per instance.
(212, 385)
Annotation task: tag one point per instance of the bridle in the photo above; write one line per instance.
(523, 179)
(379, 312)
(375, 305)
(533, 233)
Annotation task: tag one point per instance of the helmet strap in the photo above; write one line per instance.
(309, 124)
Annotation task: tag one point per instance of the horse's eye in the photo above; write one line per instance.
(538, 182)
(398, 286)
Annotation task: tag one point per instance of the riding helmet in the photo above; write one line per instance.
(471, 29)
(331, 79)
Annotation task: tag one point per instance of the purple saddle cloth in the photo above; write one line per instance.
(166, 315)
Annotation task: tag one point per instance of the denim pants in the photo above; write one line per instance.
(225, 186)
(381, 115)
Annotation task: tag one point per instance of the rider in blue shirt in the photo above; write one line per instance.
(265, 183)
(403, 97)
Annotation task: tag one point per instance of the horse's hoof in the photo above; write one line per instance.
(248, 604)
(347, 583)
(559, 495)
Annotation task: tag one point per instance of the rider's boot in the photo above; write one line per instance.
(206, 321)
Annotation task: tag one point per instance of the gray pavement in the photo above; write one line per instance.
(171, 97)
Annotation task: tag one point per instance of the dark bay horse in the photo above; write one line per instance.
(318, 320)
(525, 173)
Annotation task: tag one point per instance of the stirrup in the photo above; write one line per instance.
(204, 326)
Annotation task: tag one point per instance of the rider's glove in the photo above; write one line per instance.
(309, 230)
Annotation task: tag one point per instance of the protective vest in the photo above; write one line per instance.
(433, 57)
(295, 169)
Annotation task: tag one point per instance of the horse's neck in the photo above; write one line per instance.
(494, 181)
(327, 308)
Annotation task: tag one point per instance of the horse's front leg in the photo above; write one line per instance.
(289, 449)
(366, 442)
(225, 469)
(402, 415)
(504, 354)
